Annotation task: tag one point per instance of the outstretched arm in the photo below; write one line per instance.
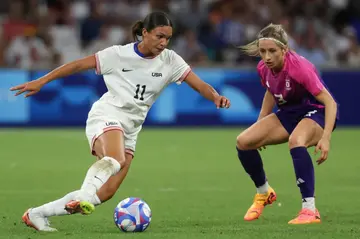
(206, 90)
(67, 69)
(73, 67)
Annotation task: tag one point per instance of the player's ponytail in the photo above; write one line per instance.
(251, 49)
(137, 29)
(151, 21)
(271, 31)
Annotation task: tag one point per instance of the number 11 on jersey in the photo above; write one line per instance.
(143, 88)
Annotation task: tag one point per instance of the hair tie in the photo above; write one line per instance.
(273, 39)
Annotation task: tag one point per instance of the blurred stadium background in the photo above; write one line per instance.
(44, 149)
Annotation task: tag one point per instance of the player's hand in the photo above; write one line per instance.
(222, 102)
(31, 87)
(323, 146)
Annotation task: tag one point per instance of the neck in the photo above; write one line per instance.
(144, 50)
(278, 68)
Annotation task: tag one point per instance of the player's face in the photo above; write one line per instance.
(158, 39)
(271, 54)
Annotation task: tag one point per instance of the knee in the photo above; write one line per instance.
(102, 153)
(296, 141)
(119, 158)
(242, 142)
(115, 162)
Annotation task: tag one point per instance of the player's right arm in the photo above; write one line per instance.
(73, 67)
(104, 61)
(268, 100)
(266, 108)
(267, 105)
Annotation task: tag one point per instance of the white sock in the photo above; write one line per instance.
(85, 196)
(99, 173)
(96, 176)
(55, 208)
(263, 189)
(309, 203)
(95, 200)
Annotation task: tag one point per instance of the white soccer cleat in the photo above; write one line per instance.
(37, 221)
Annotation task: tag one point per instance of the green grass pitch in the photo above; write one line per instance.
(191, 178)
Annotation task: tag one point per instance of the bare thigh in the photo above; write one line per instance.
(111, 144)
(306, 134)
(267, 131)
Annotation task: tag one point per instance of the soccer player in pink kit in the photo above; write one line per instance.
(306, 117)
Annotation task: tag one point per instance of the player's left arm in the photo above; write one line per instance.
(310, 80)
(206, 90)
(330, 111)
(330, 116)
(182, 72)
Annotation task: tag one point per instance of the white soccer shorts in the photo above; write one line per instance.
(104, 117)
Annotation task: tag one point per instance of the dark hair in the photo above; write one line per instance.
(151, 21)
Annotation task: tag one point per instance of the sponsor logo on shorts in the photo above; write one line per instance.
(111, 123)
(310, 113)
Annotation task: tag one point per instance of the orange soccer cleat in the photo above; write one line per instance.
(306, 216)
(260, 201)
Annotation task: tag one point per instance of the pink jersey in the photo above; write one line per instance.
(295, 85)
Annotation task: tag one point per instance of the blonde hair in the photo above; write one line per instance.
(270, 32)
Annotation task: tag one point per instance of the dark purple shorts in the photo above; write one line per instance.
(289, 118)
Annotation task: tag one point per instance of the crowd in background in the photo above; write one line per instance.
(47, 33)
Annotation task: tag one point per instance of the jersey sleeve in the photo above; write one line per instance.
(106, 60)
(260, 71)
(309, 79)
(180, 69)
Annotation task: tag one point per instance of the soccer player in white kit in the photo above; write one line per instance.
(135, 75)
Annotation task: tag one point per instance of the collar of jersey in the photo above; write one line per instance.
(136, 49)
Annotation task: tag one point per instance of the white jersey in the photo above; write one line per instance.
(135, 82)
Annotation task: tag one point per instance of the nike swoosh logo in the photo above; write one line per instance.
(98, 179)
(126, 70)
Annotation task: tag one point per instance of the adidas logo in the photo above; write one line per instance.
(299, 181)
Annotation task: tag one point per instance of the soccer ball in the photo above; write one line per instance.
(132, 215)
